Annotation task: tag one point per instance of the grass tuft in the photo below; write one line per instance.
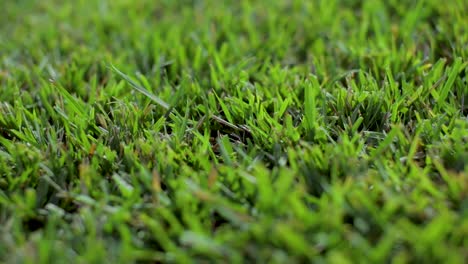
(234, 131)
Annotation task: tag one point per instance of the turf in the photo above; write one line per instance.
(234, 131)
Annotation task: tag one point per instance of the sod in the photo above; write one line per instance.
(234, 131)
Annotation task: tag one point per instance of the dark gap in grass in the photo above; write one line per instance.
(5, 133)
(315, 179)
(364, 223)
(455, 161)
(217, 221)
(34, 223)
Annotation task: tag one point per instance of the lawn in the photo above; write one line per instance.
(287, 131)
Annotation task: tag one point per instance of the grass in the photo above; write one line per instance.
(234, 131)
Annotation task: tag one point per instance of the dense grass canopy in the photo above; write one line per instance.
(209, 131)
